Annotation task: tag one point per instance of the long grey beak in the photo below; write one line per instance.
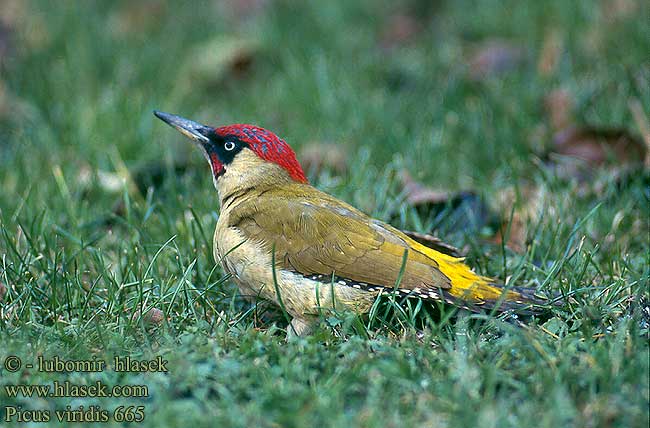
(192, 130)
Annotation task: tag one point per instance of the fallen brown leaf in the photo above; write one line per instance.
(418, 194)
(218, 59)
(513, 233)
(597, 146)
(452, 211)
(153, 316)
(578, 152)
(494, 57)
(317, 156)
(3, 291)
(400, 30)
(525, 207)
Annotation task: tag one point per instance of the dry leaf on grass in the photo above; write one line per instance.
(219, 59)
(419, 194)
(525, 208)
(451, 211)
(153, 316)
(400, 30)
(579, 151)
(3, 291)
(494, 57)
(597, 146)
(316, 156)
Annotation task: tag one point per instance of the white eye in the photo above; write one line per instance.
(229, 145)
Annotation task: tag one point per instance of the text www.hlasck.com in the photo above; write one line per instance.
(67, 389)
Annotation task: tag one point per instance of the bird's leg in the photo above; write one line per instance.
(299, 328)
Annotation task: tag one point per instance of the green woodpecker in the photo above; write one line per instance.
(327, 253)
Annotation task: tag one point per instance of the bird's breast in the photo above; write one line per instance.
(242, 259)
(249, 264)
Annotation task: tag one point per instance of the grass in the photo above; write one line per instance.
(78, 86)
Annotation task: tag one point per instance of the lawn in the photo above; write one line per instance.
(106, 214)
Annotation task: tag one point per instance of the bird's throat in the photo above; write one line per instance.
(247, 174)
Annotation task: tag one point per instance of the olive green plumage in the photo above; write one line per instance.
(270, 212)
(314, 233)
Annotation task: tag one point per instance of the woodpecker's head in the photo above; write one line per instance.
(240, 155)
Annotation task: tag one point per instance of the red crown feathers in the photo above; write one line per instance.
(267, 146)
